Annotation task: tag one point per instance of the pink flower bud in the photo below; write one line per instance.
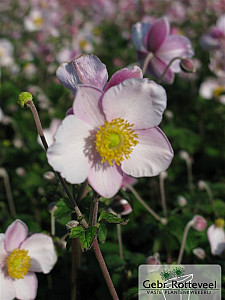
(121, 206)
(199, 252)
(199, 223)
(187, 65)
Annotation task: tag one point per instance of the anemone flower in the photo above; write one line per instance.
(20, 257)
(156, 42)
(112, 133)
(216, 236)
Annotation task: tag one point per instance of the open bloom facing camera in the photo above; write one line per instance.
(20, 257)
(112, 133)
(155, 40)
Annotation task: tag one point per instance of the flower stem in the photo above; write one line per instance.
(104, 269)
(75, 266)
(167, 67)
(210, 194)
(163, 195)
(119, 235)
(146, 62)
(5, 176)
(188, 226)
(190, 176)
(138, 197)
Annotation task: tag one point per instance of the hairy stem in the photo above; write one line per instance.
(104, 269)
(167, 68)
(188, 226)
(190, 176)
(119, 235)
(146, 62)
(9, 196)
(151, 211)
(163, 195)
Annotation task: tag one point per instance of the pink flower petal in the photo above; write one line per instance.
(15, 234)
(124, 74)
(139, 101)
(42, 252)
(139, 31)
(157, 34)
(3, 253)
(87, 107)
(67, 154)
(68, 76)
(175, 46)
(8, 292)
(216, 238)
(156, 68)
(26, 288)
(91, 71)
(105, 179)
(151, 156)
(221, 24)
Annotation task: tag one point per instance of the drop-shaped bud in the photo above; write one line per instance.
(187, 65)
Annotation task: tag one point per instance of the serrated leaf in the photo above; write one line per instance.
(102, 233)
(111, 218)
(77, 231)
(86, 236)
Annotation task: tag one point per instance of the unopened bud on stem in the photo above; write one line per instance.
(24, 97)
(187, 65)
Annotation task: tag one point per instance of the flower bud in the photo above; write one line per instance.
(187, 65)
(181, 201)
(199, 223)
(154, 262)
(20, 171)
(201, 184)
(163, 175)
(49, 176)
(72, 224)
(184, 155)
(199, 252)
(52, 207)
(24, 97)
(121, 206)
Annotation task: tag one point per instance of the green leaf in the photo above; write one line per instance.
(77, 231)
(86, 236)
(111, 218)
(102, 233)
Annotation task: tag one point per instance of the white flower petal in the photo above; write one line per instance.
(67, 154)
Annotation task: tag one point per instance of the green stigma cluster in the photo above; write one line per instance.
(24, 97)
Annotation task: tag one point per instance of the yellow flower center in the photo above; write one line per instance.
(38, 21)
(115, 141)
(218, 91)
(18, 263)
(82, 44)
(220, 223)
(1, 52)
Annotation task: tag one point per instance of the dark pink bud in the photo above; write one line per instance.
(187, 65)
(199, 223)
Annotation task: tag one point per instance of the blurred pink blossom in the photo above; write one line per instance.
(155, 39)
(20, 257)
(199, 223)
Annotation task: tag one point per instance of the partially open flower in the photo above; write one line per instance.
(216, 236)
(20, 257)
(154, 40)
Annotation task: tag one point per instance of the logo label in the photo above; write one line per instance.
(179, 282)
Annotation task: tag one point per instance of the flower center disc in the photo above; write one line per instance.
(218, 91)
(220, 223)
(115, 141)
(18, 263)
